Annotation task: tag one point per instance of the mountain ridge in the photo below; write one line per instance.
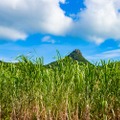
(75, 55)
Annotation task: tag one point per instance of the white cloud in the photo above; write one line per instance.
(48, 39)
(111, 54)
(30, 16)
(95, 39)
(100, 20)
(12, 34)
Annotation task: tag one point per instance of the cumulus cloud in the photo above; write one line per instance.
(100, 20)
(48, 39)
(11, 34)
(30, 16)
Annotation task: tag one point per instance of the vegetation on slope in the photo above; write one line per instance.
(75, 56)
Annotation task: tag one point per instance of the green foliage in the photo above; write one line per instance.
(30, 91)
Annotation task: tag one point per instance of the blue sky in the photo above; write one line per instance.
(38, 28)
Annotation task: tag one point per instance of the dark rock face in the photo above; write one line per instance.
(77, 55)
(77, 51)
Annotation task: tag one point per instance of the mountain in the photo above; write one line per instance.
(76, 55)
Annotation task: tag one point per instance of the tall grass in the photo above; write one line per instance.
(30, 91)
